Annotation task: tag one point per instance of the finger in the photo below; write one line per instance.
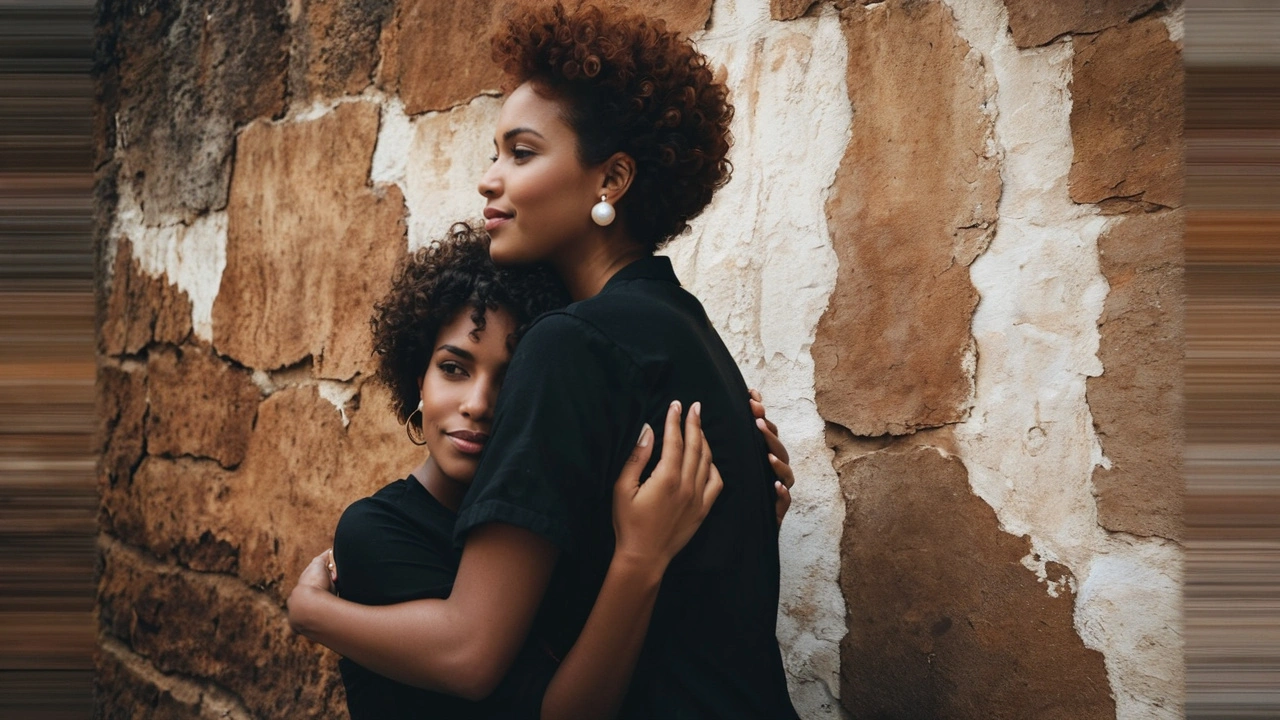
(629, 478)
(332, 565)
(694, 444)
(782, 470)
(704, 468)
(783, 503)
(755, 395)
(757, 408)
(672, 439)
(771, 440)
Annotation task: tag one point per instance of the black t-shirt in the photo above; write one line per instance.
(580, 386)
(397, 546)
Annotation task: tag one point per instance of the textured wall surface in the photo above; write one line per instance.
(950, 259)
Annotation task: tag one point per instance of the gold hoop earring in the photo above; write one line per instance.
(420, 439)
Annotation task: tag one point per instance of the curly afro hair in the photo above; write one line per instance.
(430, 288)
(629, 85)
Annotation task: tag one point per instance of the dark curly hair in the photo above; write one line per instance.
(430, 288)
(629, 84)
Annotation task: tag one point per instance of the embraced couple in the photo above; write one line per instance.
(541, 578)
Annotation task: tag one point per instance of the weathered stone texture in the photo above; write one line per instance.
(944, 620)
(212, 627)
(1035, 22)
(789, 9)
(187, 75)
(914, 202)
(1126, 118)
(436, 55)
(126, 688)
(310, 246)
(302, 469)
(182, 509)
(1137, 403)
(335, 46)
(141, 308)
(121, 411)
(200, 405)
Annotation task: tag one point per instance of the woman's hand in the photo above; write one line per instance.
(318, 577)
(778, 457)
(653, 520)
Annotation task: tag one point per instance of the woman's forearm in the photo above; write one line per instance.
(592, 680)
(415, 642)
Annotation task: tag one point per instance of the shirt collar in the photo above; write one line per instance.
(653, 267)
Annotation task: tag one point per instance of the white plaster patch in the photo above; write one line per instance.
(192, 256)
(437, 160)
(339, 394)
(1029, 445)
(1131, 604)
(760, 259)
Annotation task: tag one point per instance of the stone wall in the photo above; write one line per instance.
(950, 258)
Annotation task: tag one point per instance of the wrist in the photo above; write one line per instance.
(644, 568)
(301, 603)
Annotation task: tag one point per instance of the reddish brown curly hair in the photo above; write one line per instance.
(430, 288)
(629, 84)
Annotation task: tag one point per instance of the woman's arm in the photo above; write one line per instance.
(461, 645)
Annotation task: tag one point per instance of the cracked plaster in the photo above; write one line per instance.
(1029, 444)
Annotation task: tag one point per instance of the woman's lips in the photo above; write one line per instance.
(490, 224)
(468, 443)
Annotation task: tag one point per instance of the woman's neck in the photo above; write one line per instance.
(447, 491)
(587, 267)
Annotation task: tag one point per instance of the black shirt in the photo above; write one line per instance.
(397, 546)
(581, 384)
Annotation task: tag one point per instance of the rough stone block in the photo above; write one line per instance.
(141, 309)
(1137, 403)
(913, 204)
(188, 75)
(1127, 117)
(182, 509)
(200, 405)
(310, 246)
(436, 54)
(121, 414)
(335, 46)
(213, 628)
(944, 620)
(1035, 22)
(126, 688)
(789, 9)
(303, 468)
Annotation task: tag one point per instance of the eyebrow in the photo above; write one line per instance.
(465, 355)
(517, 131)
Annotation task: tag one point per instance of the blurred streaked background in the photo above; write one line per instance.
(47, 496)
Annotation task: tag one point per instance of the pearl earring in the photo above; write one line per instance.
(602, 212)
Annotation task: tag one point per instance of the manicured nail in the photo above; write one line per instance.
(760, 423)
(675, 404)
(696, 409)
(646, 435)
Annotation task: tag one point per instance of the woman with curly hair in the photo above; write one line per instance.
(613, 136)
(443, 338)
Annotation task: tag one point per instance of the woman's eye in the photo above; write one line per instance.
(493, 158)
(452, 369)
(521, 154)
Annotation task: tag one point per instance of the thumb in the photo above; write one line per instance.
(631, 469)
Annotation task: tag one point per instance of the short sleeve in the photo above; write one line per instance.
(566, 418)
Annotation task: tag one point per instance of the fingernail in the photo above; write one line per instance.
(773, 457)
(696, 409)
(646, 434)
(760, 423)
(675, 404)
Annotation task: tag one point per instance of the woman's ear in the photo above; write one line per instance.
(619, 171)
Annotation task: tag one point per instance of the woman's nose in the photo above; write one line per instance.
(478, 403)
(490, 186)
